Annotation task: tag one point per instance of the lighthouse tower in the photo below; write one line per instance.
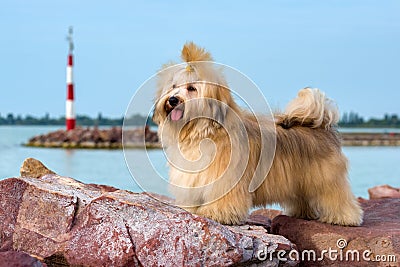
(70, 108)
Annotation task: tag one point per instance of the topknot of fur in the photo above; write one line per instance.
(191, 52)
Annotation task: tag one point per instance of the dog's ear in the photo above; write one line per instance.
(219, 102)
(191, 52)
(157, 115)
(218, 111)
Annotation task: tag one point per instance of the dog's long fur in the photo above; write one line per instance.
(308, 175)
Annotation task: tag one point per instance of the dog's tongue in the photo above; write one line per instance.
(176, 114)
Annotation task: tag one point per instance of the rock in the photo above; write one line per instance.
(379, 235)
(162, 198)
(383, 191)
(370, 139)
(110, 138)
(19, 259)
(34, 168)
(69, 223)
(259, 220)
(103, 188)
(262, 217)
(269, 213)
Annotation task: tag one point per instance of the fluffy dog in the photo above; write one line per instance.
(220, 154)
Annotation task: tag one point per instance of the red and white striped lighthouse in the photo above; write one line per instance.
(70, 107)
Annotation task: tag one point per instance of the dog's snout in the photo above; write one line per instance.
(173, 101)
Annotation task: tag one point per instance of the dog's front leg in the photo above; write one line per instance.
(230, 209)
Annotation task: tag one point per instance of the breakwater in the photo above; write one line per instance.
(111, 138)
(95, 138)
(370, 139)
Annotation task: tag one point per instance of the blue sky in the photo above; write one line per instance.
(350, 49)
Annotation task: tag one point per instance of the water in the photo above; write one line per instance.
(369, 166)
(89, 166)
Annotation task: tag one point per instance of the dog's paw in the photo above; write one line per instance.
(222, 216)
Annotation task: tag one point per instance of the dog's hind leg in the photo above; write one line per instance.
(339, 207)
(334, 200)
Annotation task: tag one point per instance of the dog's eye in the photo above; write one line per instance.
(191, 89)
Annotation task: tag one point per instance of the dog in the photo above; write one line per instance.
(224, 160)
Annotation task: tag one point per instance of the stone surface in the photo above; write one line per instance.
(269, 213)
(34, 168)
(19, 259)
(383, 191)
(378, 235)
(257, 219)
(68, 223)
(370, 139)
(110, 138)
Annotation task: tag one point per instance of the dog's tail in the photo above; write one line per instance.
(311, 108)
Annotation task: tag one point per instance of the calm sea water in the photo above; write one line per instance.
(369, 166)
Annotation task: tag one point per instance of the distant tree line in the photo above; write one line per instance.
(352, 119)
(82, 120)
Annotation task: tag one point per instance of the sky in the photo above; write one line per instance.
(349, 49)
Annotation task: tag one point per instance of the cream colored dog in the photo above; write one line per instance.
(219, 153)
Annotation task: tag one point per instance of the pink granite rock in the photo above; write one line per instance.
(19, 259)
(383, 191)
(378, 236)
(67, 222)
(269, 213)
(96, 138)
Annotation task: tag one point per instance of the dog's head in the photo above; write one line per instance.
(192, 91)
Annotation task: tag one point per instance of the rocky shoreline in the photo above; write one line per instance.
(62, 222)
(370, 139)
(95, 138)
(50, 220)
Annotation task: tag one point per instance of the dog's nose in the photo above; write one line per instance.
(173, 101)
